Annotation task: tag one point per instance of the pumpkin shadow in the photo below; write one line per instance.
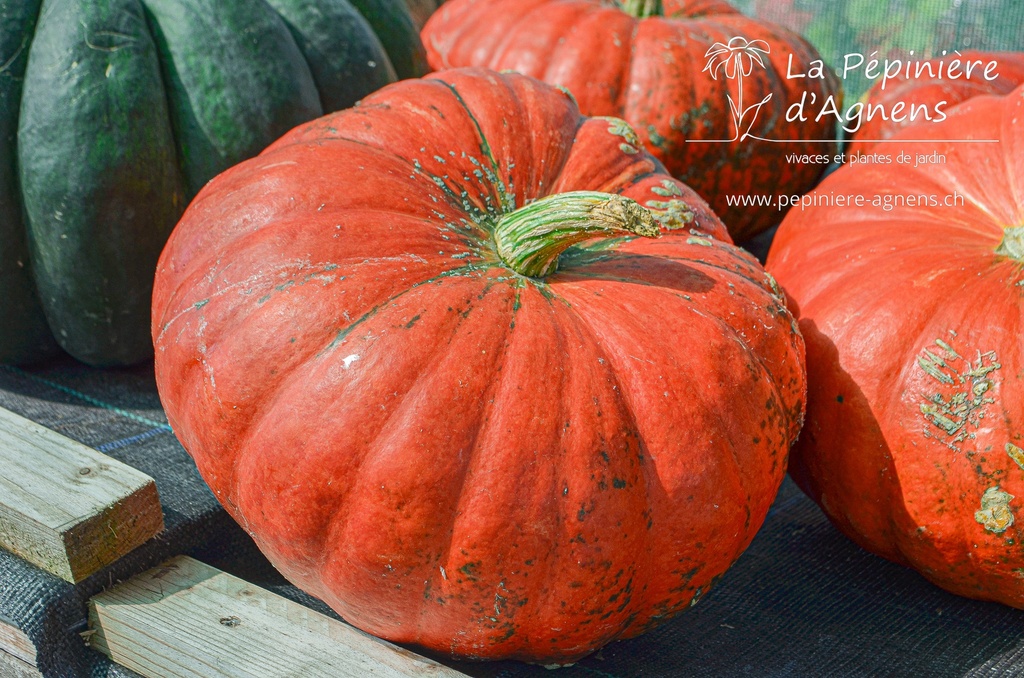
(836, 403)
(629, 267)
(65, 381)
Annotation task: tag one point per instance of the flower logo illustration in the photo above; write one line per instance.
(736, 60)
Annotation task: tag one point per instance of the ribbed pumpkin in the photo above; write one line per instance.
(912, 317)
(363, 342)
(651, 63)
(113, 113)
(906, 101)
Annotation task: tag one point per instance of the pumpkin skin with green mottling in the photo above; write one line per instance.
(912, 318)
(446, 452)
(650, 72)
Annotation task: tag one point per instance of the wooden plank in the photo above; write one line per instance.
(14, 642)
(66, 507)
(12, 667)
(186, 619)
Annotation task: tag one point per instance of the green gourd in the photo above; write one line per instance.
(114, 113)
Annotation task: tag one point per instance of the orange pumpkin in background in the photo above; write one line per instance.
(703, 85)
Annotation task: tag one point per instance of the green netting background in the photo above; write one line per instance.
(895, 28)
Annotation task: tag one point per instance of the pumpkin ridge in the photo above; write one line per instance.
(282, 386)
(676, 603)
(507, 200)
(968, 310)
(96, 216)
(553, 562)
(641, 165)
(449, 273)
(364, 66)
(556, 175)
(733, 251)
(795, 424)
(193, 307)
(487, 406)
(339, 517)
(627, 74)
(242, 239)
(466, 232)
(641, 575)
(498, 54)
(567, 44)
(853, 273)
(202, 104)
(1008, 124)
(882, 397)
(458, 203)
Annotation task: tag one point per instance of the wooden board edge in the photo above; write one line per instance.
(144, 619)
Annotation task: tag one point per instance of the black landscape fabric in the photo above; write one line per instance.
(802, 601)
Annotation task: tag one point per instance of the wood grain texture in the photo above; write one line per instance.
(67, 508)
(12, 667)
(186, 619)
(14, 643)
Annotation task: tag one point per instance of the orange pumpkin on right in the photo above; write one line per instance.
(913, 311)
(918, 97)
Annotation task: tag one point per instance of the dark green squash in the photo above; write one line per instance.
(114, 113)
(24, 335)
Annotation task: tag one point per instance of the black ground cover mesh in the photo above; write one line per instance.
(802, 601)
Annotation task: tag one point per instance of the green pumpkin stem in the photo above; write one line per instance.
(530, 239)
(1013, 243)
(642, 9)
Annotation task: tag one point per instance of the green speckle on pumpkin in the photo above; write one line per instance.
(656, 139)
(955, 414)
(995, 514)
(621, 128)
(1016, 454)
(670, 214)
(667, 189)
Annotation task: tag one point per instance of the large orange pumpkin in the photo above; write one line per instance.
(904, 101)
(362, 340)
(911, 308)
(674, 70)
